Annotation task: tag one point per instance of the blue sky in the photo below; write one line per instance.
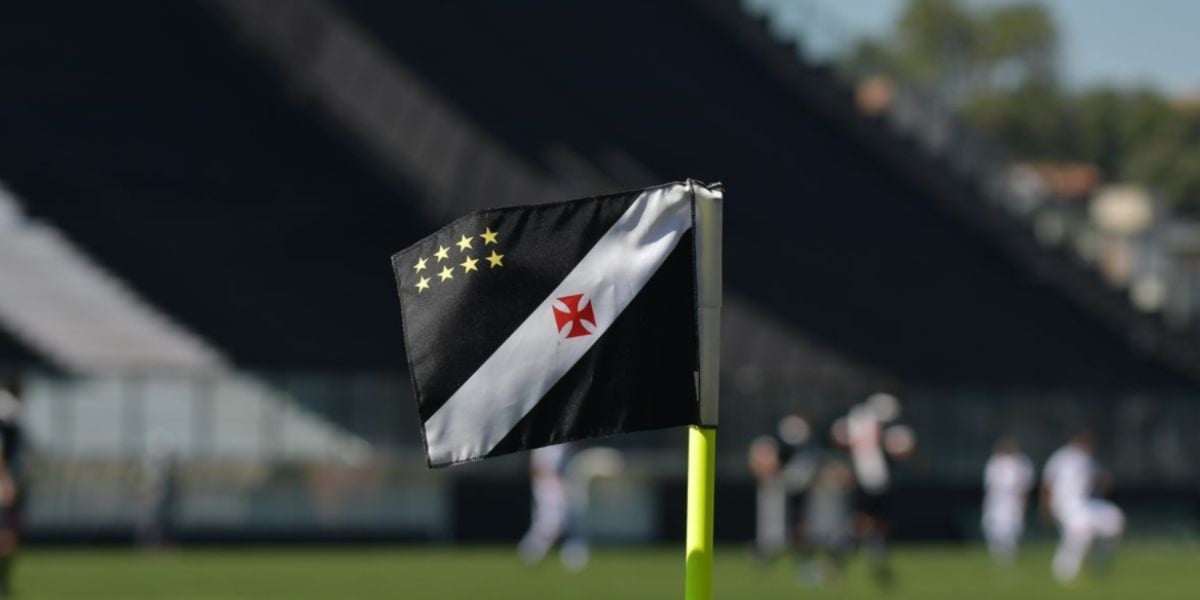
(1124, 42)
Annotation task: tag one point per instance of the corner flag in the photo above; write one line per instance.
(537, 325)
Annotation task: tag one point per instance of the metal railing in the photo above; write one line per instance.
(322, 450)
(350, 419)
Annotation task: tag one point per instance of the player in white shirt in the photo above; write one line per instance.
(547, 469)
(1068, 481)
(560, 484)
(1006, 479)
(771, 522)
(784, 467)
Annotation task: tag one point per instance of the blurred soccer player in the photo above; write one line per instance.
(770, 523)
(12, 480)
(1006, 479)
(159, 490)
(784, 466)
(1068, 482)
(582, 470)
(551, 519)
(869, 452)
(828, 531)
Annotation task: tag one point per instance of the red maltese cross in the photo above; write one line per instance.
(573, 316)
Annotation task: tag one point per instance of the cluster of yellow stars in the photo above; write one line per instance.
(469, 263)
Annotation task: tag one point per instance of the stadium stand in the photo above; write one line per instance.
(830, 231)
(82, 318)
(196, 177)
(231, 229)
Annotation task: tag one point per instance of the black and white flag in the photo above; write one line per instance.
(537, 325)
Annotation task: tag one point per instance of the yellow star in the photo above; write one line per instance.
(422, 285)
(494, 259)
(465, 243)
(420, 266)
(469, 265)
(488, 236)
(441, 254)
(447, 273)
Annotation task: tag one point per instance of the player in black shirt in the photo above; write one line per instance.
(12, 480)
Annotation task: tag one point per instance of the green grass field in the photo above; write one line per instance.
(924, 572)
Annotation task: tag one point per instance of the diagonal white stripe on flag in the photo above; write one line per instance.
(524, 368)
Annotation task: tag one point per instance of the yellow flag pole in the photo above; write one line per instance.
(702, 438)
(702, 443)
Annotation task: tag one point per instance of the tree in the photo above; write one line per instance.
(998, 67)
(1018, 46)
(1164, 155)
(961, 53)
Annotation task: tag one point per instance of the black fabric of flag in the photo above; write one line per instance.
(537, 325)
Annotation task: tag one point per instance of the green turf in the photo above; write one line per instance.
(1141, 571)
